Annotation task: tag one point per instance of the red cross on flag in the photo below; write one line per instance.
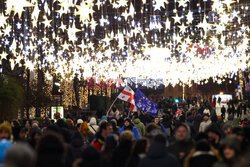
(127, 95)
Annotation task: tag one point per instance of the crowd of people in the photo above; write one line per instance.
(194, 137)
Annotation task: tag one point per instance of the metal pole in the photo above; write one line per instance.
(183, 92)
(111, 105)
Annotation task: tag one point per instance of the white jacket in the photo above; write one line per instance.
(204, 125)
(93, 127)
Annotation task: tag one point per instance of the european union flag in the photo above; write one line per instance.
(145, 104)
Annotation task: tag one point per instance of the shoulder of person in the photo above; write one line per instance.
(135, 128)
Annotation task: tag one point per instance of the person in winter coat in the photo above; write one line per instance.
(206, 111)
(64, 131)
(16, 127)
(196, 123)
(98, 141)
(90, 158)
(51, 151)
(241, 133)
(36, 134)
(203, 155)
(157, 122)
(214, 135)
(138, 152)
(5, 144)
(183, 144)
(121, 154)
(227, 129)
(230, 149)
(111, 143)
(158, 154)
(205, 123)
(70, 124)
(76, 147)
(115, 127)
(140, 126)
(223, 112)
(129, 126)
(86, 133)
(93, 125)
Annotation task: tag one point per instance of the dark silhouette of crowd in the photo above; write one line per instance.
(188, 134)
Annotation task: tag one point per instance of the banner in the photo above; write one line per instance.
(57, 112)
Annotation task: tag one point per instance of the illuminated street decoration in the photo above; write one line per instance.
(117, 39)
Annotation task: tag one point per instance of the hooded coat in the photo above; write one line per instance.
(121, 154)
(131, 127)
(232, 142)
(158, 155)
(93, 127)
(182, 148)
(204, 125)
(140, 126)
(135, 132)
(76, 147)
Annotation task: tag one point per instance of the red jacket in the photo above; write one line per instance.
(97, 143)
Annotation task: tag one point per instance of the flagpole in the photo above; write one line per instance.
(111, 105)
(129, 113)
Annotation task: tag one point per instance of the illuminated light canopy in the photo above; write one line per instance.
(118, 39)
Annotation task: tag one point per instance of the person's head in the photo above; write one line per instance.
(103, 129)
(213, 134)
(109, 128)
(202, 145)
(84, 128)
(111, 141)
(205, 117)
(201, 137)
(15, 123)
(230, 117)
(114, 124)
(53, 128)
(140, 146)
(150, 127)
(104, 118)
(156, 120)
(20, 155)
(36, 134)
(228, 152)
(70, 123)
(47, 122)
(92, 121)
(227, 129)
(239, 133)
(126, 136)
(34, 124)
(27, 124)
(157, 136)
(22, 134)
(230, 147)
(127, 122)
(51, 150)
(90, 157)
(78, 123)
(182, 132)
(5, 130)
(61, 123)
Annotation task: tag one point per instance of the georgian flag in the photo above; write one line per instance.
(127, 95)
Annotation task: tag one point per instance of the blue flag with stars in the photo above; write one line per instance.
(145, 104)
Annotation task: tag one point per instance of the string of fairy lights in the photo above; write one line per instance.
(180, 41)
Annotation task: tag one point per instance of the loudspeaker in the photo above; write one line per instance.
(98, 103)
